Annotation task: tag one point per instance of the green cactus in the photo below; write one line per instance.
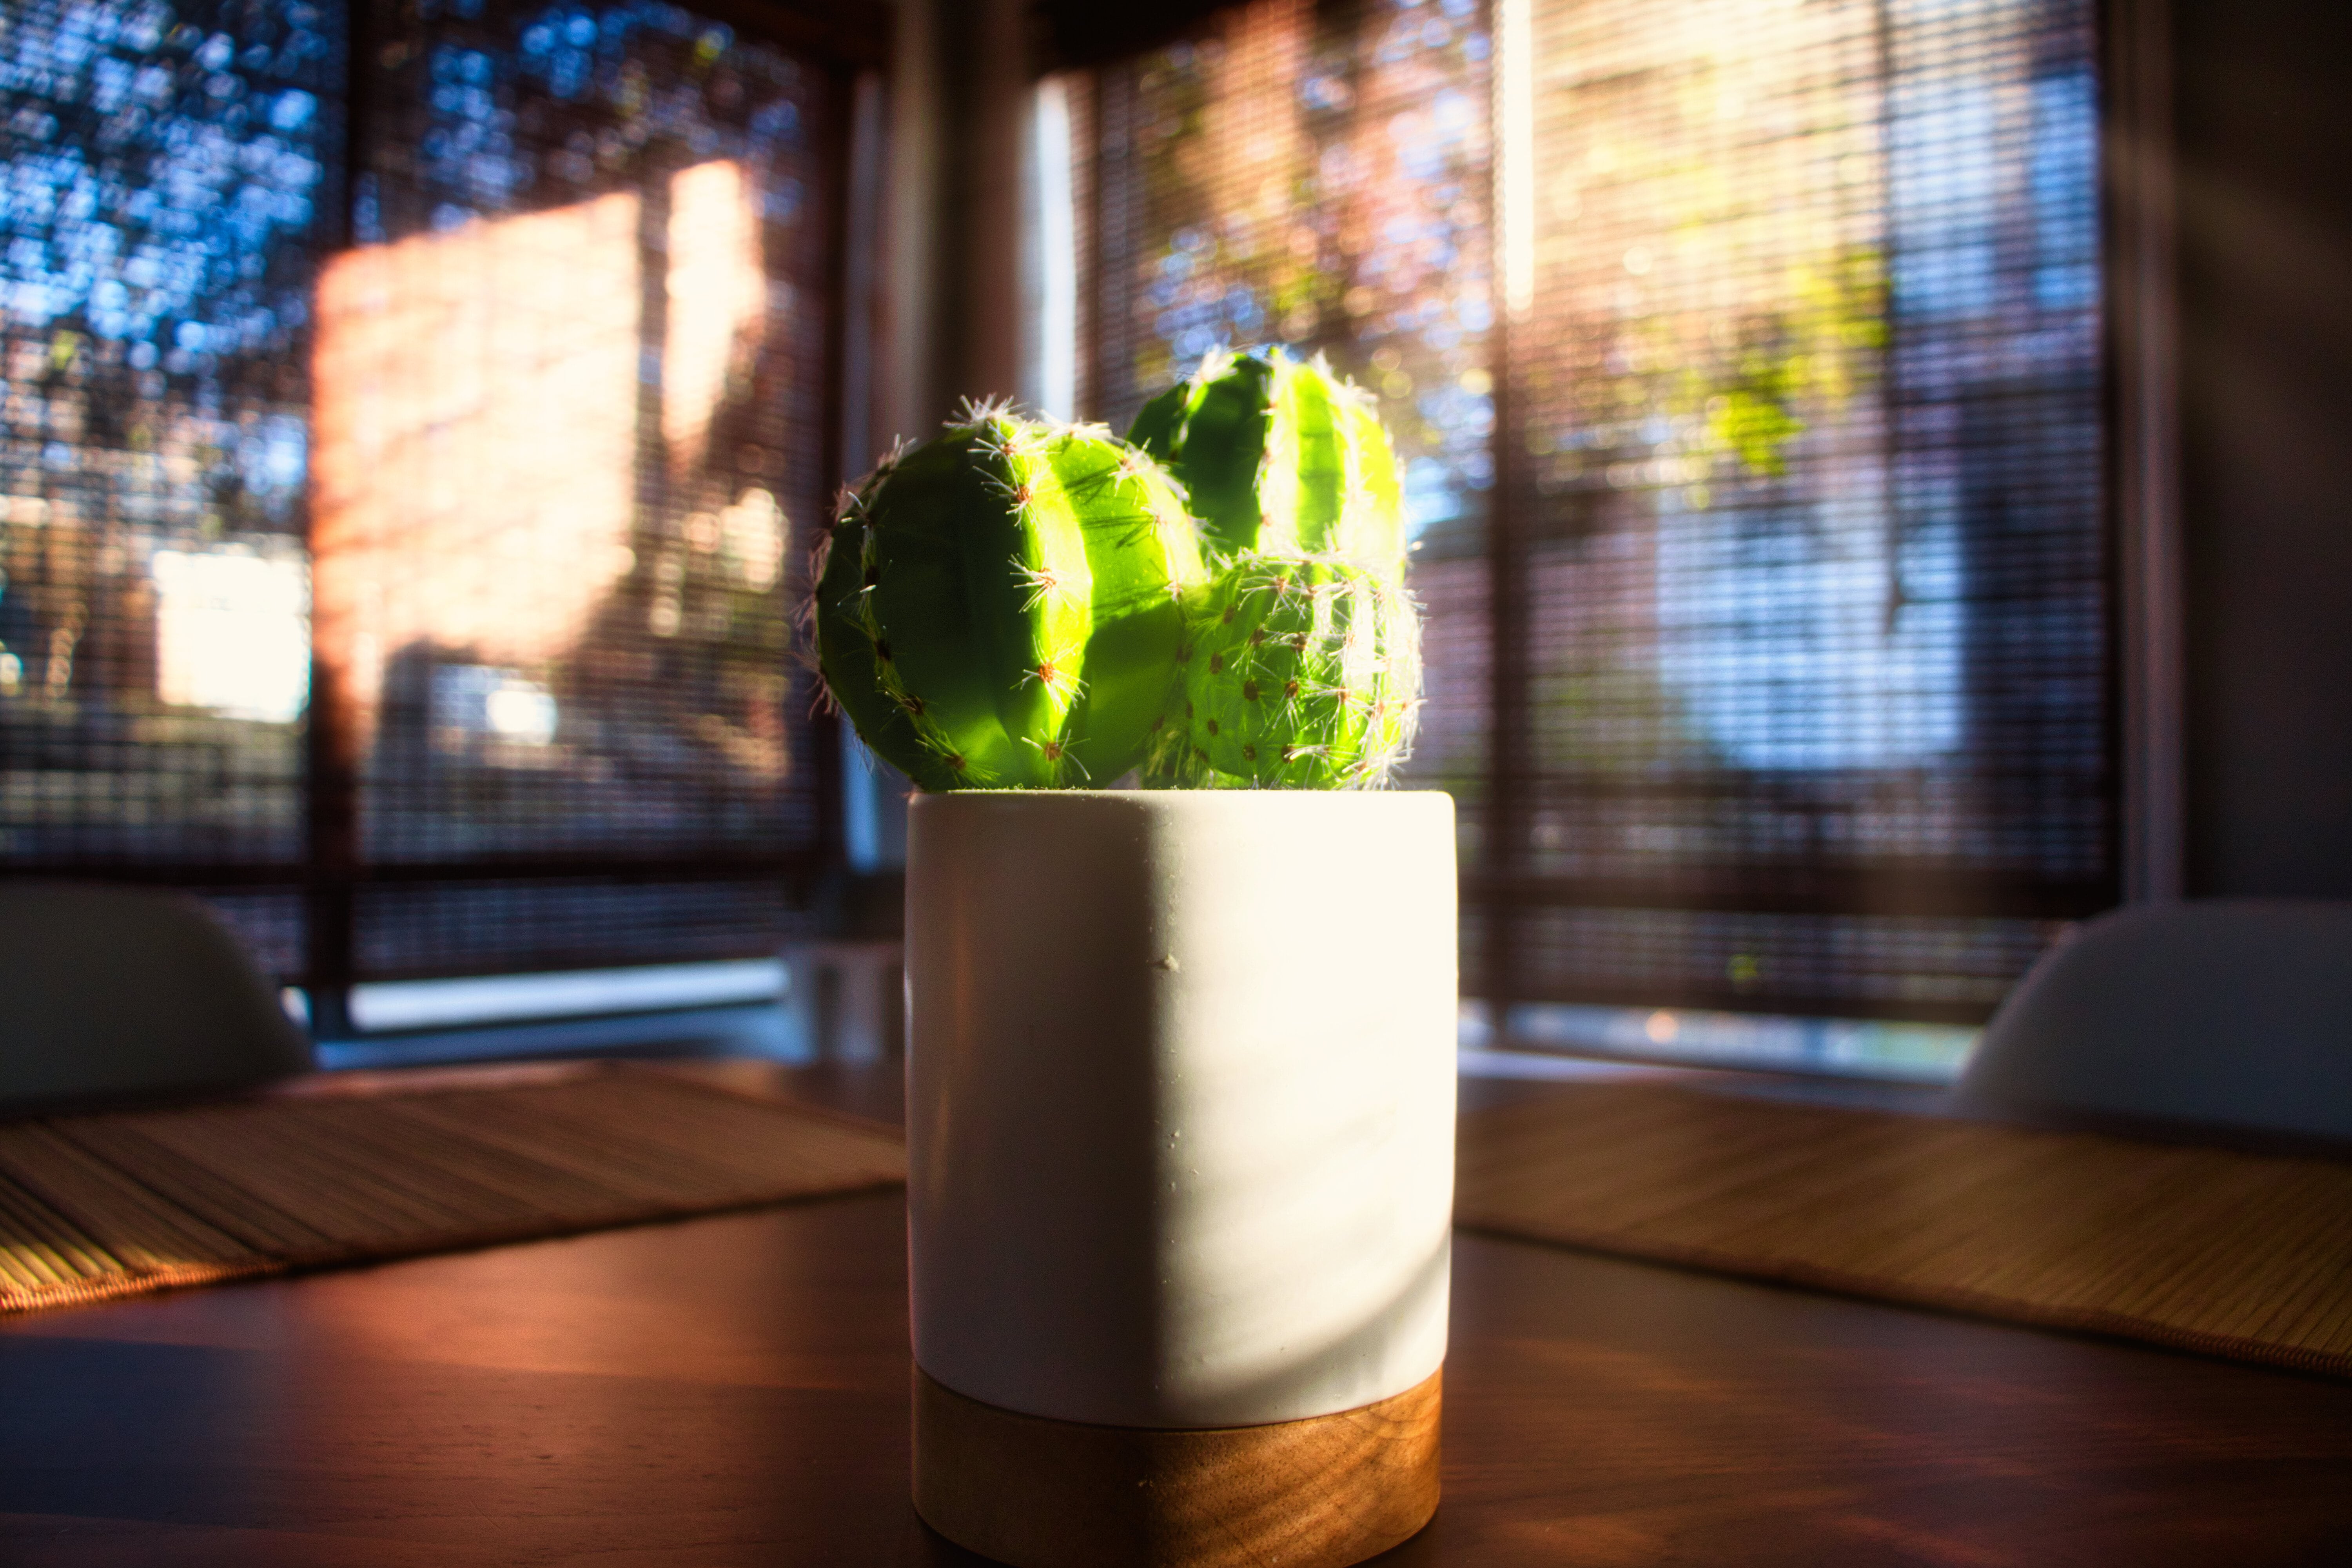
(1280, 457)
(999, 606)
(1298, 673)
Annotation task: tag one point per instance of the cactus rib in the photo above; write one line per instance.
(1000, 605)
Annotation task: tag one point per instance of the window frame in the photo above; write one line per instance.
(2139, 524)
(849, 44)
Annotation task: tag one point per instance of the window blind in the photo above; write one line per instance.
(169, 176)
(1756, 444)
(415, 426)
(570, 444)
(1318, 176)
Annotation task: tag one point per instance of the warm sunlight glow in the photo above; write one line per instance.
(477, 420)
(718, 301)
(232, 634)
(1515, 151)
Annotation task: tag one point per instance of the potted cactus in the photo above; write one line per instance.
(1179, 1073)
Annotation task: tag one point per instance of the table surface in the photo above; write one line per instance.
(733, 1390)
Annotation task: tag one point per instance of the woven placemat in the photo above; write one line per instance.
(2238, 1254)
(116, 1203)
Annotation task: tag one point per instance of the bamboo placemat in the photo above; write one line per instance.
(116, 1204)
(2232, 1254)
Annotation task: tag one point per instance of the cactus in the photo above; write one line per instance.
(1299, 673)
(1280, 457)
(999, 608)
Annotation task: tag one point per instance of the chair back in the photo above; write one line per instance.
(111, 990)
(2229, 1011)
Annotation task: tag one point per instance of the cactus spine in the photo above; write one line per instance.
(1298, 673)
(999, 608)
(1280, 457)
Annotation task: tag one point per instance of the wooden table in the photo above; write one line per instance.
(734, 1390)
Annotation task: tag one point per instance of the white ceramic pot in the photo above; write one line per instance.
(1180, 1100)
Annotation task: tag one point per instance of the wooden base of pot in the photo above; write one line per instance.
(1319, 1493)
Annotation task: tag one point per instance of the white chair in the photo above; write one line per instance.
(2233, 1012)
(118, 991)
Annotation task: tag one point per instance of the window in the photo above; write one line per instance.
(569, 415)
(1756, 457)
(172, 174)
(1319, 176)
(409, 460)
